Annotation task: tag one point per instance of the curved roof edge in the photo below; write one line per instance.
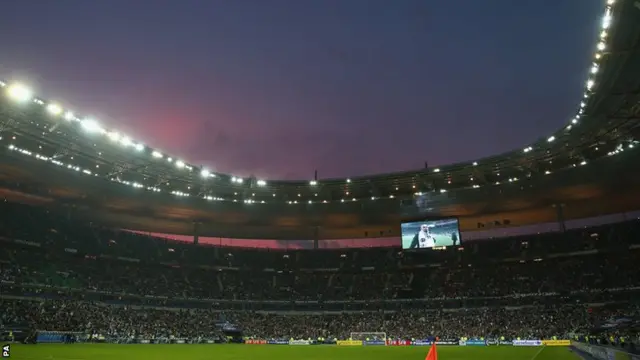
(604, 124)
(22, 93)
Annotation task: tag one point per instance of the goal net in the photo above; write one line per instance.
(369, 336)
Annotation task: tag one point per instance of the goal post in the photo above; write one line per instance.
(369, 336)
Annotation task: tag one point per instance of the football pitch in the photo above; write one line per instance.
(276, 352)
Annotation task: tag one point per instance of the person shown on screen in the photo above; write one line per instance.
(423, 239)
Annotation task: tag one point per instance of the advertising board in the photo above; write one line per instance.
(349, 343)
(421, 342)
(427, 342)
(472, 342)
(476, 342)
(556, 342)
(399, 342)
(447, 342)
(527, 343)
(278, 342)
(374, 342)
(299, 342)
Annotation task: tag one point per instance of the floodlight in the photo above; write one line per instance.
(19, 92)
(114, 136)
(54, 109)
(126, 141)
(91, 125)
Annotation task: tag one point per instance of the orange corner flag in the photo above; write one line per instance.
(433, 352)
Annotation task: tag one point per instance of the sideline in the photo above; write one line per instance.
(50, 357)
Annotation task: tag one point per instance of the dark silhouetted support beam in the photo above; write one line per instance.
(560, 216)
(196, 232)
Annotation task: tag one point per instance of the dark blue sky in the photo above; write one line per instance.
(278, 88)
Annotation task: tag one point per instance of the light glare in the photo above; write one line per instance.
(19, 92)
(54, 109)
(90, 125)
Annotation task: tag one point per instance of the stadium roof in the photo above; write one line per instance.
(605, 124)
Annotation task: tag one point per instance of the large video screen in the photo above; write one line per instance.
(430, 233)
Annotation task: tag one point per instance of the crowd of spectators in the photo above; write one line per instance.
(56, 274)
(130, 321)
(112, 321)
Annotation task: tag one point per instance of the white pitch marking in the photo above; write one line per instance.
(534, 356)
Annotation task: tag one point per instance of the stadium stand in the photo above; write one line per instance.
(59, 274)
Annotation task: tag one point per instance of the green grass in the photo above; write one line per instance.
(279, 352)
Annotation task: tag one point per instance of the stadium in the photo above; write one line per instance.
(112, 249)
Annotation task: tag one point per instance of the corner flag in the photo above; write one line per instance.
(433, 353)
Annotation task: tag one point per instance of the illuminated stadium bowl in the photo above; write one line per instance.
(587, 168)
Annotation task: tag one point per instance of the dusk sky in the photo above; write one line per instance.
(279, 88)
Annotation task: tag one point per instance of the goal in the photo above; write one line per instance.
(369, 336)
